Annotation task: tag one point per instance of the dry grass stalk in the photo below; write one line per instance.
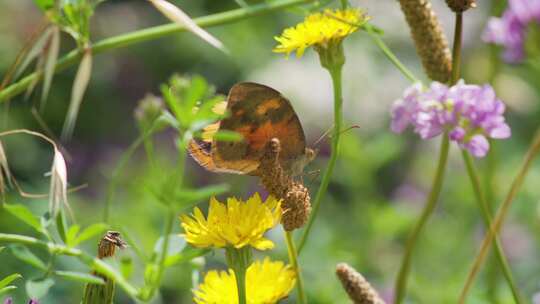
(429, 38)
(356, 286)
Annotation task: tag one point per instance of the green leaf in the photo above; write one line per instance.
(176, 244)
(7, 289)
(39, 288)
(196, 91)
(25, 215)
(44, 5)
(226, 135)
(126, 266)
(189, 196)
(24, 254)
(2, 248)
(80, 277)
(188, 254)
(10, 278)
(90, 232)
(72, 234)
(61, 225)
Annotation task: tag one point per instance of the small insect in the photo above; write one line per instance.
(258, 113)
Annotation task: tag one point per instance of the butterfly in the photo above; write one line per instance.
(258, 113)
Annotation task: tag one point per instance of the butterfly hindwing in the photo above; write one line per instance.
(260, 113)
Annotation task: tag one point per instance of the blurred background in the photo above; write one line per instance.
(380, 182)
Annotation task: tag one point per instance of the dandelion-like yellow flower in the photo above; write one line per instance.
(320, 30)
(266, 282)
(235, 224)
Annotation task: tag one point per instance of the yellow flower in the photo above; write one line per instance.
(320, 30)
(235, 224)
(266, 282)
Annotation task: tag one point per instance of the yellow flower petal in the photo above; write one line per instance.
(235, 224)
(266, 283)
(320, 30)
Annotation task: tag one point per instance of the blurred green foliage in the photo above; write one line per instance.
(374, 197)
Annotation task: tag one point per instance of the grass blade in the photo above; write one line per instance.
(177, 15)
(77, 93)
(50, 63)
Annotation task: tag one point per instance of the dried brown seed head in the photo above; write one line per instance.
(459, 6)
(429, 38)
(296, 202)
(356, 286)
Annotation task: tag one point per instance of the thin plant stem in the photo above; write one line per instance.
(456, 51)
(124, 158)
(293, 259)
(486, 214)
(57, 249)
(533, 151)
(335, 74)
(401, 282)
(389, 54)
(151, 33)
(239, 260)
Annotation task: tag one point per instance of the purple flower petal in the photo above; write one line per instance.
(478, 145)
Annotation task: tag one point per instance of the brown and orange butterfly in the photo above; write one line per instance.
(258, 113)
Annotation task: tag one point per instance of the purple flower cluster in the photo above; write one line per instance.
(511, 29)
(469, 113)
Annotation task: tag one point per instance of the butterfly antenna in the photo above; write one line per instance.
(325, 134)
(348, 129)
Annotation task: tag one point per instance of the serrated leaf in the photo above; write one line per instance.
(24, 254)
(89, 232)
(226, 135)
(50, 64)
(72, 234)
(10, 278)
(82, 78)
(80, 277)
(39, 288)
(25, 215)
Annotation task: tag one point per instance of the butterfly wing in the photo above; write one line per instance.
(259, 113)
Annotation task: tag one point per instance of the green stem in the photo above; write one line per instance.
(335, 74)
(486, 214)
(175, 183)
(124, 158)
(533, 151)
(389, 54)
(456, 51)
(149, 34)
(293, 259)
(58, 249)
(401, 282)
(239, 260)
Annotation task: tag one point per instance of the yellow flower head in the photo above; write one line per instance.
(266, 282)
(235, 224)
(320, 30)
